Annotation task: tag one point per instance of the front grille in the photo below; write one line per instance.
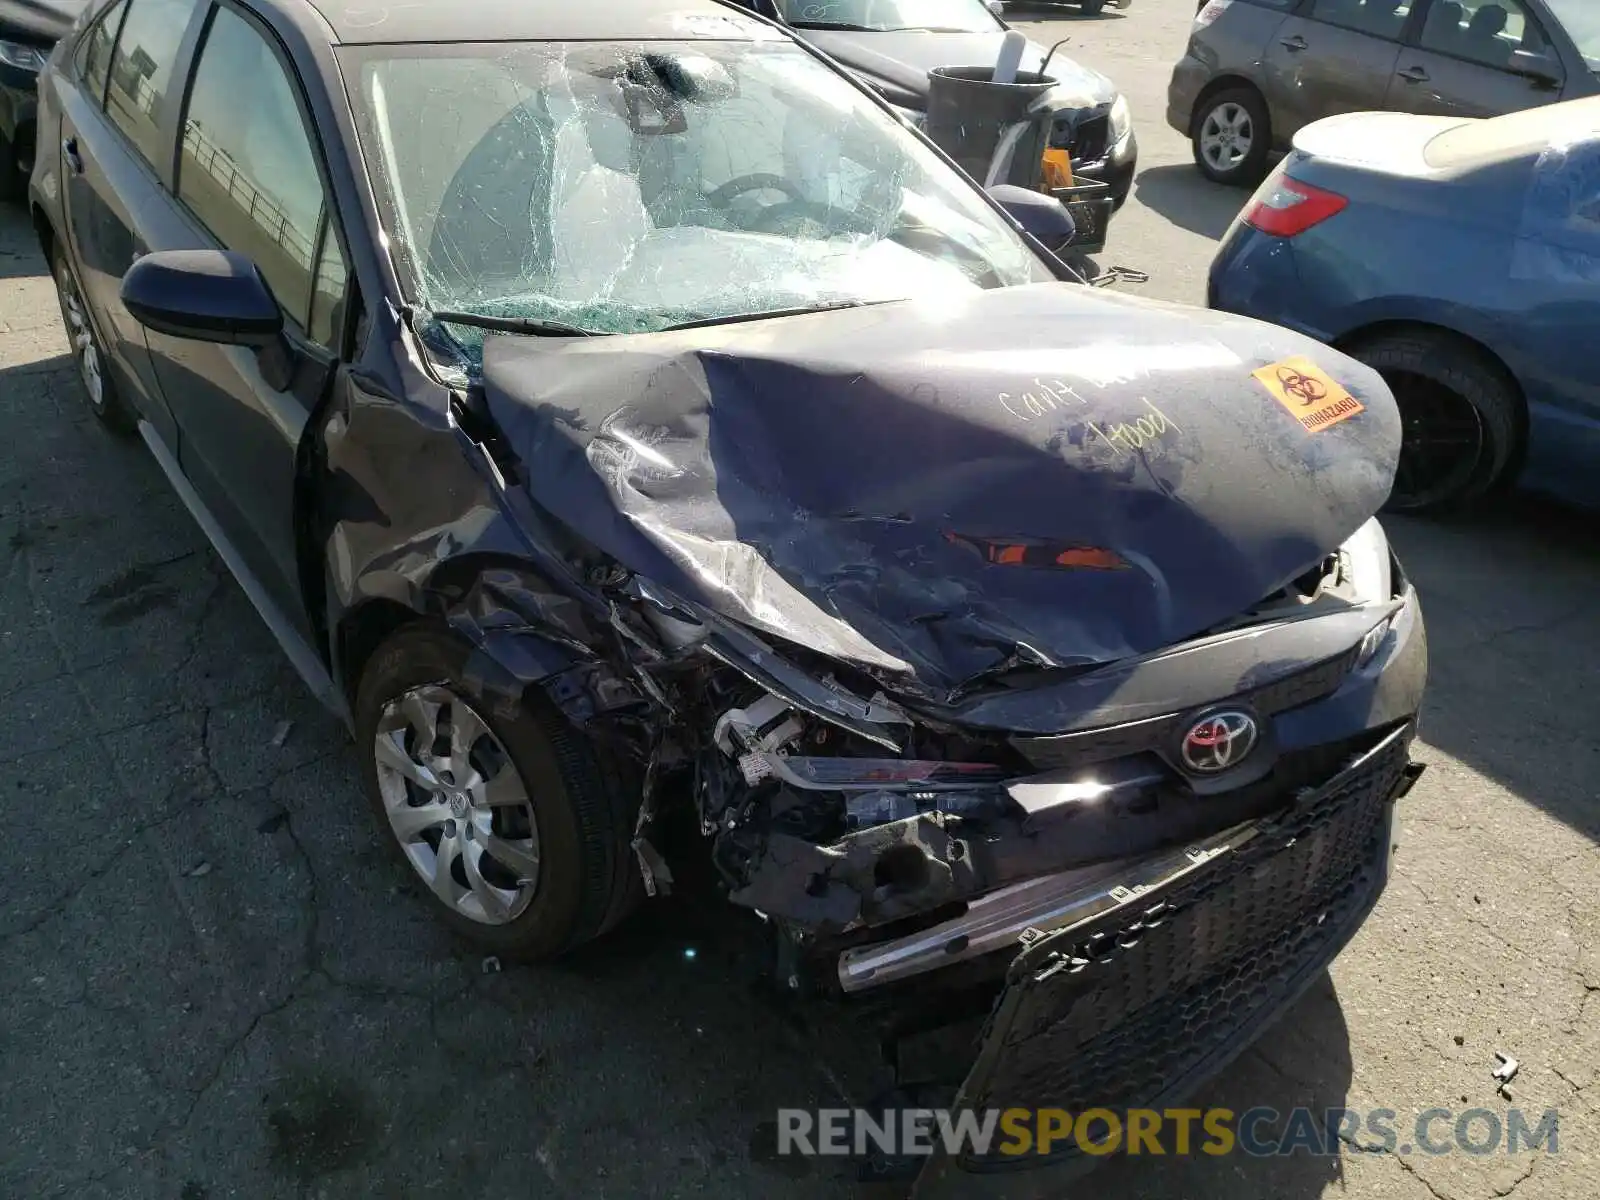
(1316, 682)
(1131, 1011)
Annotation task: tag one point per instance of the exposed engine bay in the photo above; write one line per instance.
(848, 820)
(910, 690)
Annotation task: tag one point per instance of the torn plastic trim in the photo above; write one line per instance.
(814, 774)
(691, 625)
(1002, 918)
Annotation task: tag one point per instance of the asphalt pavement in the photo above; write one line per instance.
(214, 983)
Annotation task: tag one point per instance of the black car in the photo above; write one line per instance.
(891, 45)
(29, 30)
(642, 439)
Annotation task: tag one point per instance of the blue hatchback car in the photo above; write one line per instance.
(1460, 259)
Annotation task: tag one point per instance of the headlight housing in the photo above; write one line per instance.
(24, 58)
(1370, 567)
(1121, 120)
(1366, 559)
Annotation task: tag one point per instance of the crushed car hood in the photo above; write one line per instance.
(42, 22)
(1047, 475)
(902, 59)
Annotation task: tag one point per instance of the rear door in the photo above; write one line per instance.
(250, 179)
(1333, 56)
(116, 149)
(1473, 58)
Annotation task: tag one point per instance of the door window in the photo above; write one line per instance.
(328, 289)
(94, 51)
(249, 174)
(1481, 31)
(1381, 18)
(141, 71)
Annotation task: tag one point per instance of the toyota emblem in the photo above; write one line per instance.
(1218, 741)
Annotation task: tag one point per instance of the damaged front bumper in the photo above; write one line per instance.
(1134, 1004)
(946, 864)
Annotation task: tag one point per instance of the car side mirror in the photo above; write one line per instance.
(204, 295)
(1042, 216)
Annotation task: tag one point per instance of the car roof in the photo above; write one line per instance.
(537, 21)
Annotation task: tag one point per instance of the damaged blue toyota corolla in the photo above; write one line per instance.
(623, 418)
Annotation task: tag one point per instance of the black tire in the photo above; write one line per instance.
(1461, 414)
(109, 407)
(1092, 8)
(1226, 106)
(585, 803)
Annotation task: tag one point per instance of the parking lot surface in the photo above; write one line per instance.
(214, 983)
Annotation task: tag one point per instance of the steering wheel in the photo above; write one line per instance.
(725, 195)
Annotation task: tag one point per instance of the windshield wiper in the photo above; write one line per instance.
(707, 322)
(847, 26)
(529, 326)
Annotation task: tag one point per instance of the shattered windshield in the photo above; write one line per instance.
(879, 16)
(622, 188)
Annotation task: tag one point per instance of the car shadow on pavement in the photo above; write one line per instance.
(1513, 628)
(1189, 200)
(1302, 1062)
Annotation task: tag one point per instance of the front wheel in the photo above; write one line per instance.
(515, 828)
(99, 390)
(1232, 137)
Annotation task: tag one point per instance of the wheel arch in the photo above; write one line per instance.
(43, 229)
(1223, 83)
(1484, 354)
(357, 635)
(514, 655)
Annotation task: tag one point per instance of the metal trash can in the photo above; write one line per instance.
(971, 118)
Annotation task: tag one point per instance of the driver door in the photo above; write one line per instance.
(249, 180)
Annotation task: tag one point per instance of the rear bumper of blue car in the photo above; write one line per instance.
(1257, 275)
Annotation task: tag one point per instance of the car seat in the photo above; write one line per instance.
(1443, 29)
(597, 211)
(486, 242)
(1483, 41)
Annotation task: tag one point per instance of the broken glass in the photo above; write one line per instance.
(625, 188)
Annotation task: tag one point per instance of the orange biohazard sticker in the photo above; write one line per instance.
(1309, 393)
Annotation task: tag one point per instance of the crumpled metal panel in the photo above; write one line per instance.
(1036, 475)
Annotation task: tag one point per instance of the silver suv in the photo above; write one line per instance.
(1255, 71)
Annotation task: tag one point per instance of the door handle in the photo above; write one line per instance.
(69, 151)
(1295, 43)
(1414, 75)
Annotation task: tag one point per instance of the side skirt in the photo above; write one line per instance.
(305, 660)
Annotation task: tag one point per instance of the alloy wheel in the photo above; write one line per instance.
(1442, 442)
(1226, 136)
(85, 351)
(457, 804)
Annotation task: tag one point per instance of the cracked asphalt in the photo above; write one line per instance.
(214, 982)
